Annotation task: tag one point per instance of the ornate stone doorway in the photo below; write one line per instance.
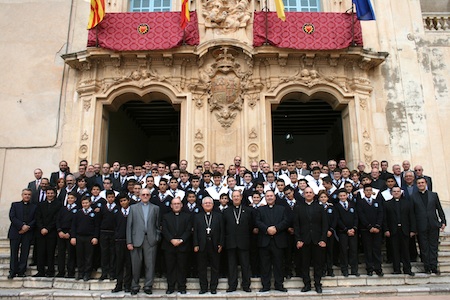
(310, 130)
(139, 131)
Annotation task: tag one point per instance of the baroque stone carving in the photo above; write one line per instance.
(227, 85)
(225, 16)
(252, 135)
(199, 135)
(142, 77)
(198, 160)
(199, 148)
(84, 136)
(253, 148)
(87, 104)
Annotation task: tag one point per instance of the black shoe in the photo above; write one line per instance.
(103, 277)
(306, 288)
(168, 292)
(355, 273)
(427, 271)
(148, 291)
(436, 271)
(370, 273)
(397, 272)
(10, 276)
(247, 290)
(127, 290)
(330, 273)
(345, 273)
(86, 277)
(213, 292)
(318, 289)
(134, 292)
(410, 273)
(182, 292)
(39, 275)
(202, 292)
(230, 290)
(60, 275)
(282, 289)
(21, 275)
(263, 290)
(116, 289)
(379, 273)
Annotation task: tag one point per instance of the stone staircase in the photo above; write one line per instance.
(333, 287)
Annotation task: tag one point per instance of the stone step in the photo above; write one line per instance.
(417, 267)
(422, 290)
(193, 284)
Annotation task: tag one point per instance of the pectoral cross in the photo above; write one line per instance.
(208, 230)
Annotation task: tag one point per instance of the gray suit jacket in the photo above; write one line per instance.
(136, 225)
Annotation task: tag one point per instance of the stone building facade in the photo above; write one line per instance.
(59, 97)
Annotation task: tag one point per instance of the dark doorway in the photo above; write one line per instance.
(139, 131)
(310, 130)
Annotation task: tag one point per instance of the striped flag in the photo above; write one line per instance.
(185, 16)
(280, 9)
(364, 10)
(97, 13)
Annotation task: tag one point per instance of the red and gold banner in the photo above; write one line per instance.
(185, 15)
(143, 31)
(307, 31)
(97, 13)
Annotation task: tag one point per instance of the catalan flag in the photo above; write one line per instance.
(280, 9)
(97, 13)
(185, 14)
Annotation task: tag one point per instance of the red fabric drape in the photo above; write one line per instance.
(331, 30)
(119, 31)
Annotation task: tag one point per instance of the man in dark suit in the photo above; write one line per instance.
(208, 241)
(272, 222)
(35, 185)
(62, 173)
(238, 227)
(409, 188)
(399, 224)
(310, 227)
(143, 235)
(370, 213)
(426, 204)
(46, 234)
(418, 171)
(176, 231)
(20, 233)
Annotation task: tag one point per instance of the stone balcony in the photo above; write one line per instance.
(436, 22)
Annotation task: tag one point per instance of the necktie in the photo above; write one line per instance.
(42, 196)
(110, 206)
(85, 211)
(345, 205)
(217, 188)
(125, 212)
(69, 207)
(369, 200)
(318, 183)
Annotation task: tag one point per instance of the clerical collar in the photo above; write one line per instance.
(309, 203)
(177, 213)
(208, 213)
(237, 207)
(270, 206)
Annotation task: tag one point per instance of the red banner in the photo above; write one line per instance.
(143, 31)
(307, 31)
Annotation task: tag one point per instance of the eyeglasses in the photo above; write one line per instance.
(145, 194)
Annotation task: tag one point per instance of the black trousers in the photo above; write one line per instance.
(66, 257)
(314, 255)
(176, 262)
(46, 247)
(123, 264)
(413, 248)
(290, 254)
(244, 260)
(208, 257)
(107, 247)
(372, 250)
(160, 263)
(329, 257)
(271, 259)
(254, 255)
(400, 251)
(348, 252)
(18, 265)
(85, 251)
(428, 245)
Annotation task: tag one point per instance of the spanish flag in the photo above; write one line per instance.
(280, 9)
(185, 14)
(97, 13)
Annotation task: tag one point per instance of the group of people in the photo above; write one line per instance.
(271, 221)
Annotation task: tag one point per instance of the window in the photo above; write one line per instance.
(302, 5)
(149, 5)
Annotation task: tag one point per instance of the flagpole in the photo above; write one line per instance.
(266, 9)
(96, 35)
(353, 24)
